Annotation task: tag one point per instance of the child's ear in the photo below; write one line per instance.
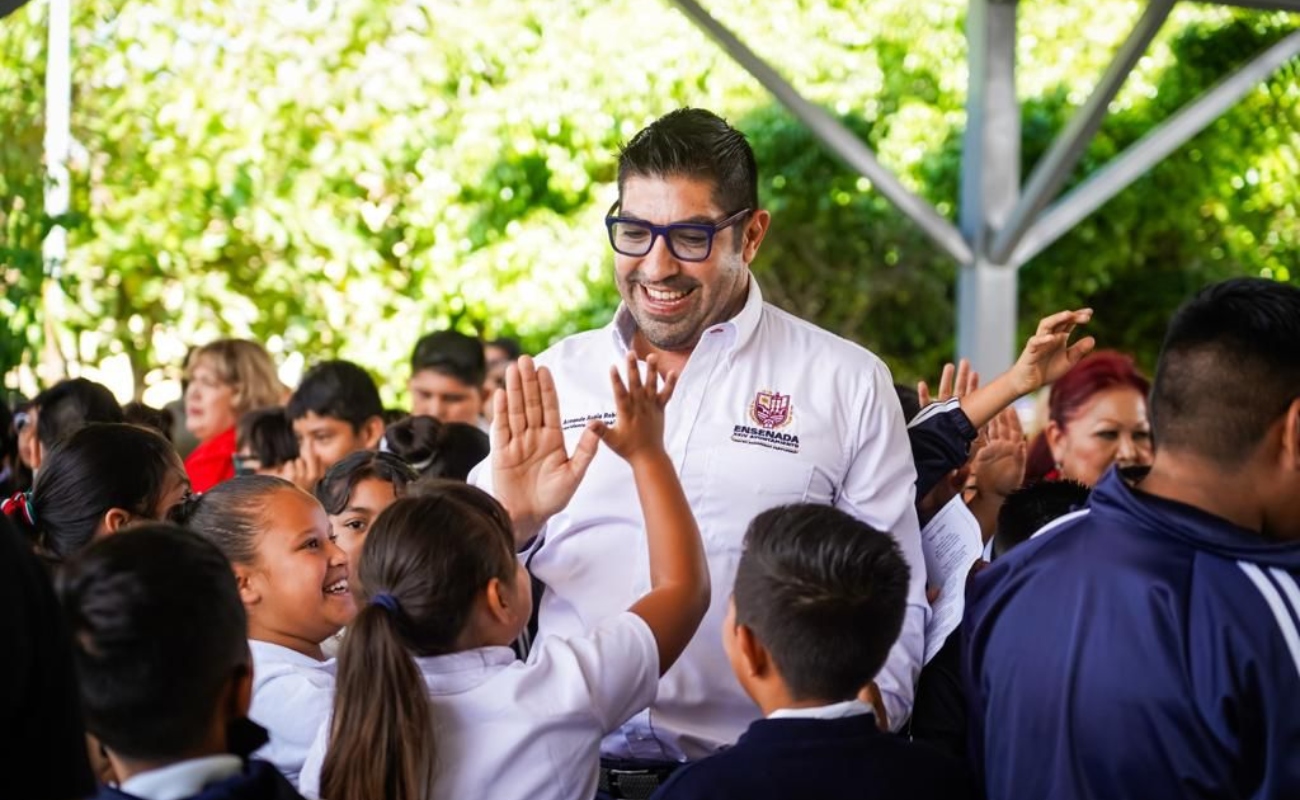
(114, 520)
(248, 593)
(1291, 437)
(500, 603)
(754, 656)
(372, 431)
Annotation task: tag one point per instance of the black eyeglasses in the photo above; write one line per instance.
(246, 465)
(687, 241)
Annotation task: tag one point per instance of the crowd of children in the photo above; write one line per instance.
(320, 601)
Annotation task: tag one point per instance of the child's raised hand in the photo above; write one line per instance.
(966, 381)
(639, 427)
(533, 475)
(1048, 354)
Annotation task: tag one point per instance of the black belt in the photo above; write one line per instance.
(633, 780)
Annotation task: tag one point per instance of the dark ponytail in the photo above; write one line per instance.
(98, 468)
(437, 449)
(424, 563)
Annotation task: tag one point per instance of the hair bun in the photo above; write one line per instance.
(184, 511)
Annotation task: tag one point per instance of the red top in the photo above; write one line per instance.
(212, 462)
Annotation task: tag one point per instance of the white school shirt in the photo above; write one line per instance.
(847, 708)
(516, 730)
(292, 695)
(183, 779)
(769, 410)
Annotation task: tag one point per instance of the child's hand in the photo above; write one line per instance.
(999, 467)
(1048, 355)
(639, 426)
(967, 381)
(532, 473)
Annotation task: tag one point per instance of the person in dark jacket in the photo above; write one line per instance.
(818, 602)
(1146, 647)
(165, 673)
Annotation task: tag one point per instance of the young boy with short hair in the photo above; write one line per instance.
(818, 602)
(336, 411)
(448, 370)
(166, 678)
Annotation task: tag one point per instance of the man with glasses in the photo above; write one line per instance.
(769, 410)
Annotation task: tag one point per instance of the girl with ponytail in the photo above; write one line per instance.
(431, 702)
(101, 478)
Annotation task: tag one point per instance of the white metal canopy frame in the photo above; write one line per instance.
(1002, 224)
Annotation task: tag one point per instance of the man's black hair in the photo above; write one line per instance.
(825, 594)
(1028, 509)
(1228, 370)
(338, 389)
(267, 433)
(158, 631)
(697, 144)
(451, 353)
(68, 406)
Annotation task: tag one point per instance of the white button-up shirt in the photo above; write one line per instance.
(292, 695)
(769, 410)
(183, 779)
(510, 729)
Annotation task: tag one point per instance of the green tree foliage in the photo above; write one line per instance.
(336, 177)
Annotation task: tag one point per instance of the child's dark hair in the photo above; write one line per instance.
(231, 514)
(509, 345)
(335, 488)
(68, 406)
(451, 353)
(423, 565)
(268, 434)
(1027, 510)
(100, 467)
(158, 631)
(437, 449)
(338, 389)
(825, 594)
(158, 419)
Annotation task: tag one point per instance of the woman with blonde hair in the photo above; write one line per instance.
(227, 378)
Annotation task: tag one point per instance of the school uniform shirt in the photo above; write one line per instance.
(515, 730)
(292, 695)
(221, 777)
(1140, 648)
(769, 410)
(833, 752)
(212, 462)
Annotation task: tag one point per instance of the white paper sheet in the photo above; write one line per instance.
(951, 542)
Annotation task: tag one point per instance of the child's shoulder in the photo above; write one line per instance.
(613, 670)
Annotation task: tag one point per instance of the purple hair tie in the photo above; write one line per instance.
(386, 600)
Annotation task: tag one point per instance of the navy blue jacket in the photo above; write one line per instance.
(940, 436)
(1140, 649)
(260, 781)
(826, 759)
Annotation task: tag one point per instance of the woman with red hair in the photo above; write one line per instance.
(1097, 416)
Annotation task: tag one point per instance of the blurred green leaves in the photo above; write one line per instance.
(336, 177)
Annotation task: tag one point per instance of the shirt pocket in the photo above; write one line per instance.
(744, 481)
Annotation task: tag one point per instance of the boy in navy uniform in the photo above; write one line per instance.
(818, 602)
(1147, 647)
(165, 673)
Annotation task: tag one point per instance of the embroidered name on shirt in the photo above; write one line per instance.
(571, 423)
(770, 411)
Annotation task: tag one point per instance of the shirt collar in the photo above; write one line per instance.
(848, 708)
(286, 655)
(740, 328)
(460, 672)
(1113, 497)
(183, 779)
